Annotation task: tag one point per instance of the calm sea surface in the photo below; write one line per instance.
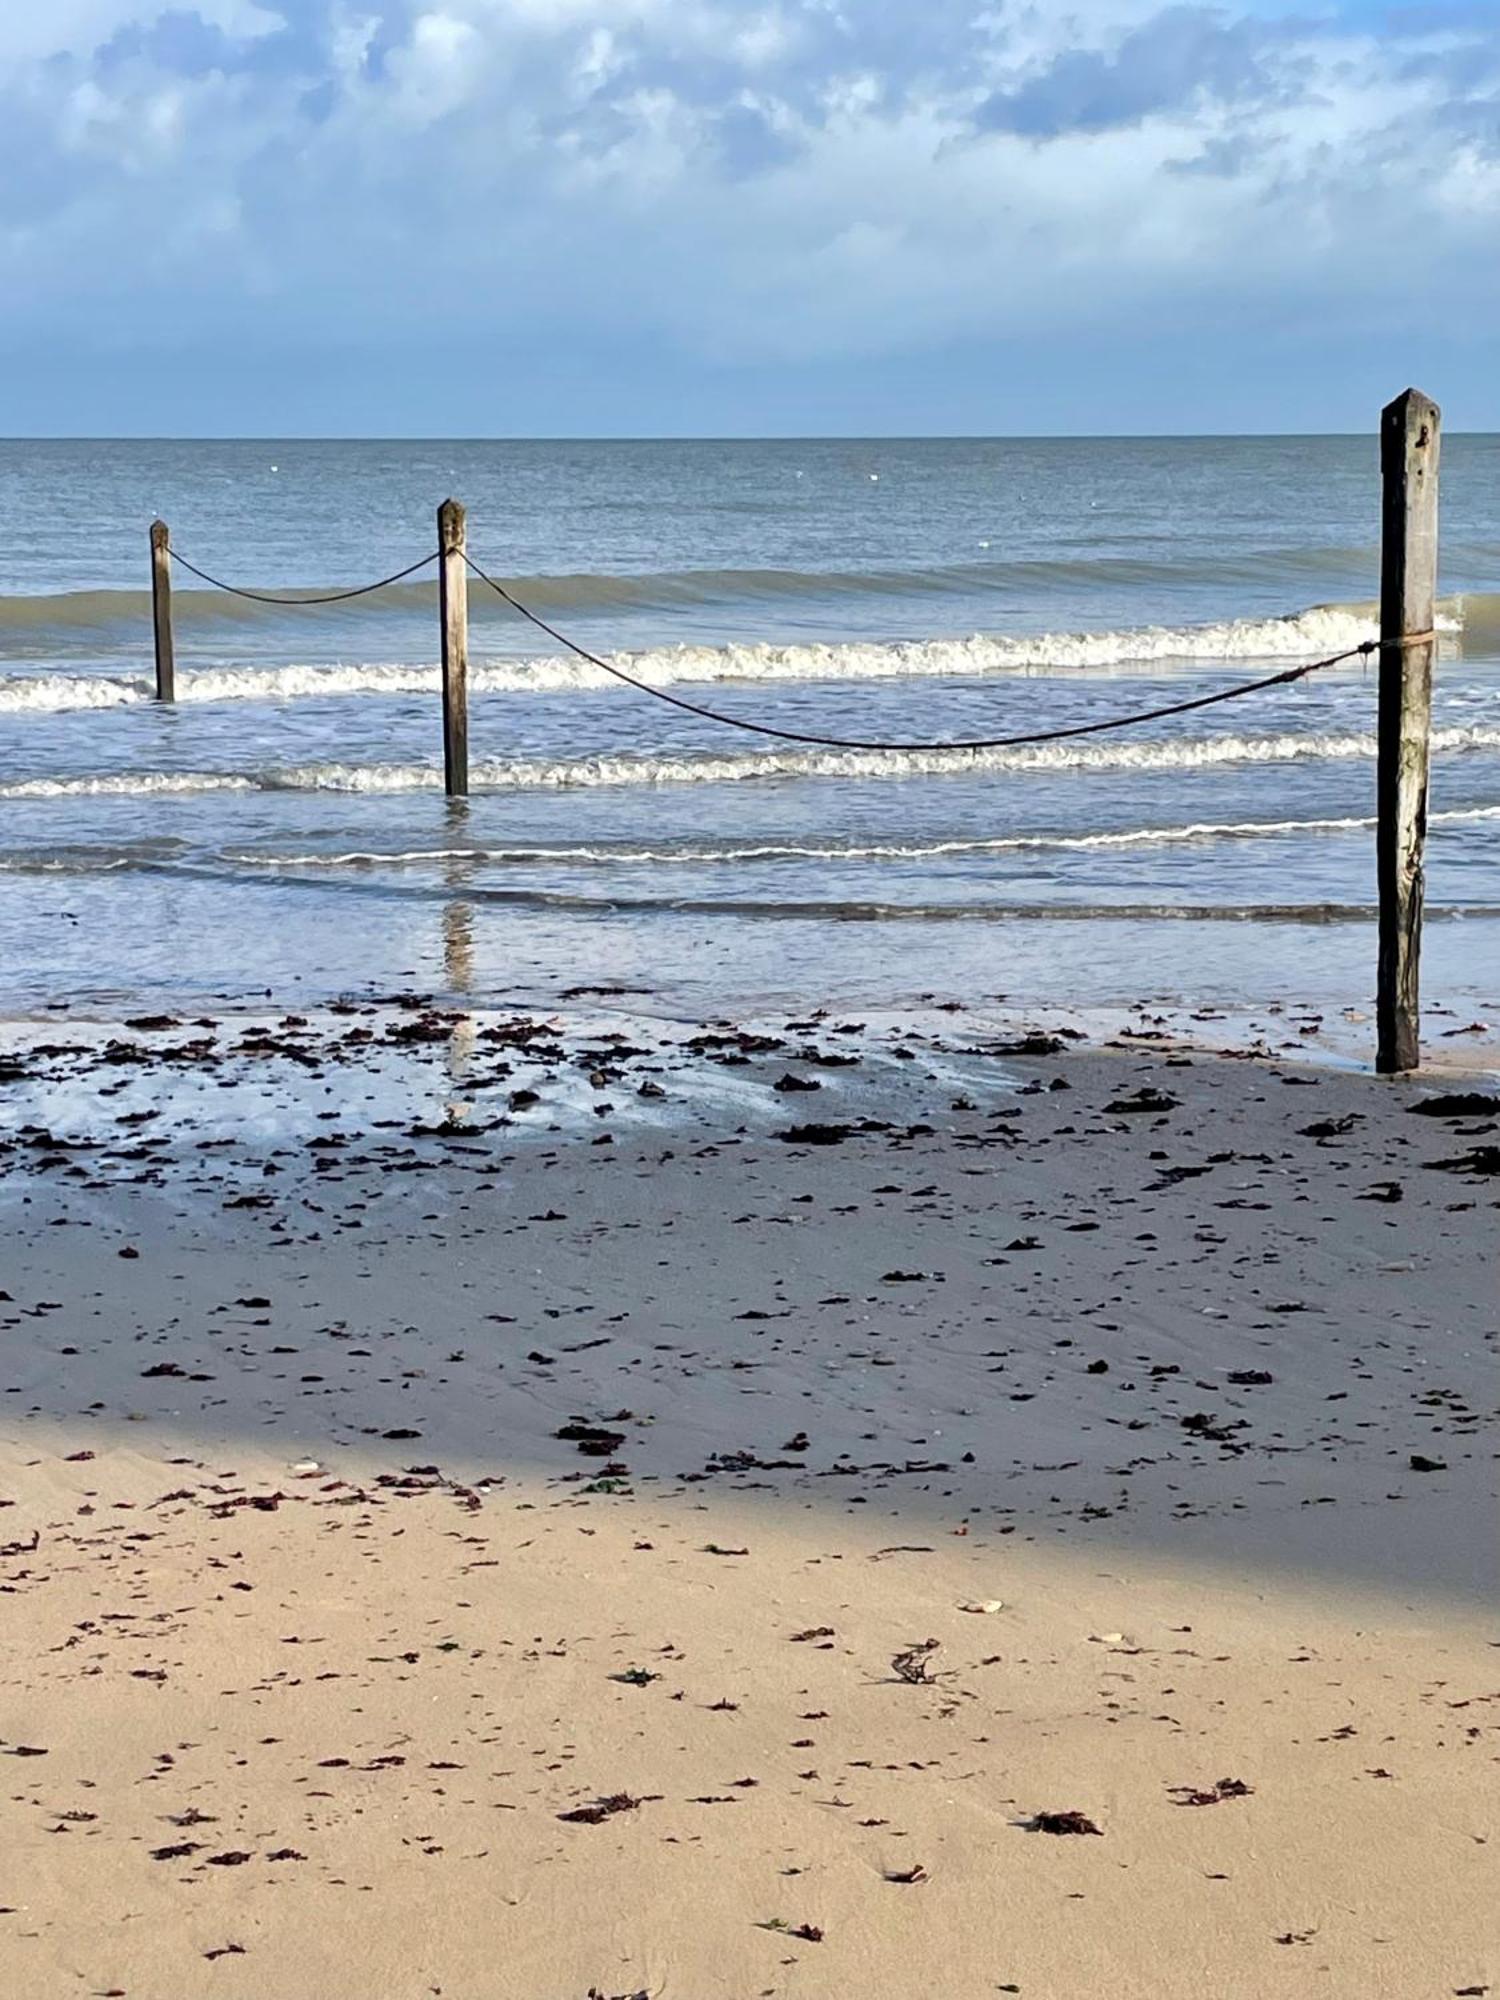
(282, 828)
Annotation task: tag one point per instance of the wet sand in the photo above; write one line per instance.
(704, 1550)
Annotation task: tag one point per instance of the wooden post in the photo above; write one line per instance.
(453, 610)
(161, 611)
(1409, 430)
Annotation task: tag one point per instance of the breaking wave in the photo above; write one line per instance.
(1304, 635)
(543, 774)
(626, 854)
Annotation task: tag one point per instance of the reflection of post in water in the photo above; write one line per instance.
(458, 951)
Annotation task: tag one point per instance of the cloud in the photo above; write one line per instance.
(789, 182)
(1183, 59)
(79, 28)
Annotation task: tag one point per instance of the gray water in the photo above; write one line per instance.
(282, 828)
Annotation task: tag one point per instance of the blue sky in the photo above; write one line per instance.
(543, 217)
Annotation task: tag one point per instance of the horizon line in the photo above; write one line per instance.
(693, 437)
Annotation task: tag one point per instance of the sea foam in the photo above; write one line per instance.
(543, 774)
(1308, 634)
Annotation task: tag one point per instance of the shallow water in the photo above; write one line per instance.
(283, 827)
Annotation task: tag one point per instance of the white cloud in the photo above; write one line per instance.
(789, 180)
(438, 69)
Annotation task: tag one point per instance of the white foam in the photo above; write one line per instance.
(130, 784)
(627, 856)
(1325, 629)
(534, 774)
(55, 694)
(894, 850)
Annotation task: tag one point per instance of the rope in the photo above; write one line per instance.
(328, 597)
(1287, 675)
(973, 743)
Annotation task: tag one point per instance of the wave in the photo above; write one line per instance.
(830, 910)
(102, 607)
(102, 610)
(837, 909)
(834, 909)
(1303, 635)
(137, 784)
(533, 774)
(628, 855)
(1476, 614)
(84, 858)
(589, 591)
(165, 855)
(87, 611)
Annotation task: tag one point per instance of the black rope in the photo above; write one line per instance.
(329, 597)
(1282, 679)
(1287, 675)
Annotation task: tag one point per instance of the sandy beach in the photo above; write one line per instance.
(1024, 1528)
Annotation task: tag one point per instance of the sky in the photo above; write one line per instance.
(720, 217)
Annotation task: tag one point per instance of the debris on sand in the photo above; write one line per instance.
(1062, 1822)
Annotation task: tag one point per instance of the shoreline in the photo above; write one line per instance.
(439, 1065)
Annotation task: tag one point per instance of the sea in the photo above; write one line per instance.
(281, 831)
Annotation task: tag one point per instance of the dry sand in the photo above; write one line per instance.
(1038, 1453)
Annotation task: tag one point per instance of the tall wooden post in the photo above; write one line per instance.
(161, 611)
(453, 610)
(1409, 430)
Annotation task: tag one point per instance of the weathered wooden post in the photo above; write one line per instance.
(453, 610)
(161, 610)
(1409, 429)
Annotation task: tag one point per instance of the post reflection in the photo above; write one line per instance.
(458, 955)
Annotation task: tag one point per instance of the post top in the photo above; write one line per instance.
(1409, 405)
(159, 533)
